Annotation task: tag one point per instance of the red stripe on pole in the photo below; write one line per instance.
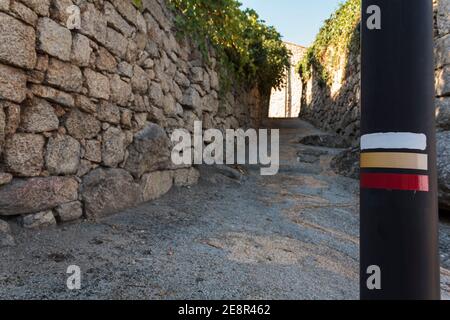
(390, 181)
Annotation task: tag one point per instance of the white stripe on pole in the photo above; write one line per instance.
(394, 140)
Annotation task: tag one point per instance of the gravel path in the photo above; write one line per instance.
(290, 236)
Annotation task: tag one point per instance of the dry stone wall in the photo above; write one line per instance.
(86, 114)
(336, 107)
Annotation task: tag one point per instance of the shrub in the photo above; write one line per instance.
(137, 3)
(246, 47)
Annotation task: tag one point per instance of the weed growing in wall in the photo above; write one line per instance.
(137, 3)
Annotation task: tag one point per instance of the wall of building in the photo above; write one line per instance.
(286, 102)
(85, 115)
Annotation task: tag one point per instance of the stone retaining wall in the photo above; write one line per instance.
(336, 107)
(85, 115)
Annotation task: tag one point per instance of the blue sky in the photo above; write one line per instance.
(298, 21)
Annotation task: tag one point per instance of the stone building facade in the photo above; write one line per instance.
(336, 107)
(286, 102)
(86, 114)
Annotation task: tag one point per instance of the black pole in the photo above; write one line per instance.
(399, 215)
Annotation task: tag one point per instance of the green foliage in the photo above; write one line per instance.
(247, 48)
(137, 3)
(338, 37)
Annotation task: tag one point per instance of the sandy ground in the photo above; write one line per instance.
(289, 236)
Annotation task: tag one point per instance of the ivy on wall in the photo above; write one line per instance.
(246, 47)
(339, 36)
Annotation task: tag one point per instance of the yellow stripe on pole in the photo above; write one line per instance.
(394, 160)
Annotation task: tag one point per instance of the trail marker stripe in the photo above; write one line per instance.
(394, 140)
(391, 181)
(394, 160)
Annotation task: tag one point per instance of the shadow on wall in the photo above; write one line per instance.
(331, 94)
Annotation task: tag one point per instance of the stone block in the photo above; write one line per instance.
(156, 184)
(12, 84)
(116, 43)
(120, 91)
(116, 21)
(63, 155)
(24, 196)
(93, 151)
(53, 95)
(443, 113)
(41, 7)
(24, 13)
(68, 212)
(93, 23)
(38, 116)
(39, 220)
(54, 39)
(113, 148)
(24, 154)
(107, 191)
(443, 81)
(98, 84)
(64, 75)
(105, 61)
(17, 42)
(81, 125)
(150, 151)
(81, 50)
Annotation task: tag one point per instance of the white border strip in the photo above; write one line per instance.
(394, 140)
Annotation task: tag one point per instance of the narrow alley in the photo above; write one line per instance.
(235, 235)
